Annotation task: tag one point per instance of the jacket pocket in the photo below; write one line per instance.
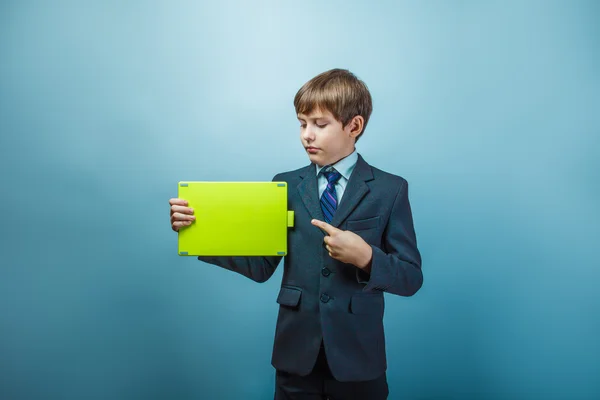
(370, 303)
(289, 296)
(362, 224)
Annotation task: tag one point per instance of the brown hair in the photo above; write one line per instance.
(338, 91)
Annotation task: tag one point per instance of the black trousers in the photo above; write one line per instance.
(321, 385)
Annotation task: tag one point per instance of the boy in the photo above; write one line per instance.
(353, 240)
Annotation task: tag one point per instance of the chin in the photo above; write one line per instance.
(315, 159)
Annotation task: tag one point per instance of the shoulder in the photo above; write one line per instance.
(387, 179)
(391, 188)
(388, 176)
(289, 176)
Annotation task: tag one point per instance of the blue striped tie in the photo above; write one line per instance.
(329, 198)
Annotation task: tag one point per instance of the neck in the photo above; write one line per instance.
(340, 159)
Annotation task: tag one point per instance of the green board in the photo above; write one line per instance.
(235, 219)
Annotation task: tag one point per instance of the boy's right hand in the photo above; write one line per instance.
(181, 214)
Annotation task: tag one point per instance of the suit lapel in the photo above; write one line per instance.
(309, 192)
(355, 191)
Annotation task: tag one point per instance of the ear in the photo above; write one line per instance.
(355, 126)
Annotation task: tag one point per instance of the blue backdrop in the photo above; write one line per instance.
(489, 109)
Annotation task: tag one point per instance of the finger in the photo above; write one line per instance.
(331, 245)
(325, 226)
(180, 224)
(182, 209)
(178, 202)
(182, 217)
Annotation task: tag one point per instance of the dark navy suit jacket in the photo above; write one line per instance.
(322, 298)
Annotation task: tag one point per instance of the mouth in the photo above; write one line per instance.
(312, 150)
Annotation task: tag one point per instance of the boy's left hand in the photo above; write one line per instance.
(346, 246)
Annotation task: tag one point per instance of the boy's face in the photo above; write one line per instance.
(324, 138)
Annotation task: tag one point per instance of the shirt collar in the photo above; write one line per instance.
(345, 166)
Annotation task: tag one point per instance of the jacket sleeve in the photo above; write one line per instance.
(257, 268)
(396, 267)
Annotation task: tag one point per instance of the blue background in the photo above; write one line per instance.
(489, 109)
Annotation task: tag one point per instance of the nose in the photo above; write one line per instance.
(308, 134)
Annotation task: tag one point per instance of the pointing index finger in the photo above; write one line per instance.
(329, 229)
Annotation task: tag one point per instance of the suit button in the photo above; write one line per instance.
(325, 271)
(325, 298)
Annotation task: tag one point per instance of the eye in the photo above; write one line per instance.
(302, 125)
(322, 126)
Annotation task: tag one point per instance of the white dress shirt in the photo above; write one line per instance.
(345, 166)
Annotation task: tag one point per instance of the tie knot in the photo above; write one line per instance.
(332, 176)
